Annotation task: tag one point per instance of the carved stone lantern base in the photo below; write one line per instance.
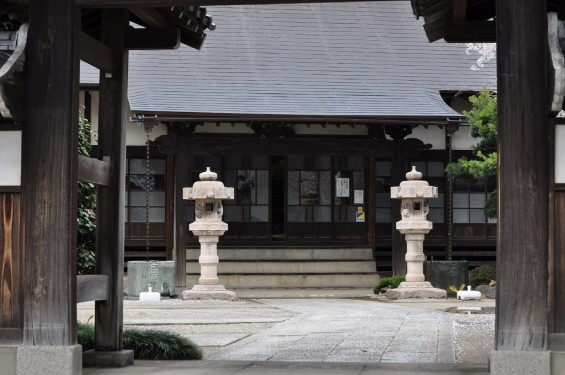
(423, 289)
(209, 292)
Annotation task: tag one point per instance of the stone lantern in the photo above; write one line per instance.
(414, 225)
(208, 227)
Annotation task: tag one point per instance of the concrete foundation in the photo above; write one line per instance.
(422, 289)
(92, 358)
(160, 275)
(520, 362)
(48, 360)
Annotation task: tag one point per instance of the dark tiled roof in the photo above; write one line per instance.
(334, 59)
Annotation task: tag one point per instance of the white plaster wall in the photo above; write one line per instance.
(462, 140)
(560, 154)
(433, 135)
(135, 133)
(10, 158)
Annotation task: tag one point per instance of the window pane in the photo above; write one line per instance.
(139, 166)
(358, 180)
(383, 200)
(477, 200)
(460, 216)
(383, 168)
(436, 215)
(296, 214)
(259, 213)
(139, 182)
(322, 214)
(325, 187)
(382, 184)
(246, 187)
(383, 215)
(293, 187)
(308, 187)
(437, 202)
(435, 169)
(156, 198)
(262, 187)
(478, 216)
(460, 200)
(351, 214)
(137, 215)
(232, 213)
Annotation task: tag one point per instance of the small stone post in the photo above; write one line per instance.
(208, 226)
(414, 225)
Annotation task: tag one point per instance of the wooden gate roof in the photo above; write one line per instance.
(366, 60)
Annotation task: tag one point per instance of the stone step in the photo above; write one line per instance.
(266, 267)
(360, 280)
(288, 254)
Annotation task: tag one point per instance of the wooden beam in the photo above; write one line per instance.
(49, 174)
(93, 170)
(469, 32)
(140, 39)
(192, 38)
(523, 181)
(92, 52)
(92, 288)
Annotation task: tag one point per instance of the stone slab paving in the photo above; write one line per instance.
(316, 331)
(338, 330)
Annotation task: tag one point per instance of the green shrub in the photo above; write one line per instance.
(146, 343)
(388, 282)
(482, 275)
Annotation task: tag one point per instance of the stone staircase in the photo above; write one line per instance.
(265, 268)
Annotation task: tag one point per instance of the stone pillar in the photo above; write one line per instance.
(414, 225)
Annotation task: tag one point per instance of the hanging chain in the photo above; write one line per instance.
(147, 187)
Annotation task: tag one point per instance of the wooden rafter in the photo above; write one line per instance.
(95, 53)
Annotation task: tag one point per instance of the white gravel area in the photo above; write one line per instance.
(473, 337)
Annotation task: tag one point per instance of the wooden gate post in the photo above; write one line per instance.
(49, 190)
(523, 189)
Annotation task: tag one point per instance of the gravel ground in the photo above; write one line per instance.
(473, 336)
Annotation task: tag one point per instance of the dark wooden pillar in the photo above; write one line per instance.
(49, 174)
(110, 199)
(523, 187)
(181, 181)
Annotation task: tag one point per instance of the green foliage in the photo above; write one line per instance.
(146, 343)
(484, 167)
(86, 216)
(388, 282)
(482, 275)
(160, 345)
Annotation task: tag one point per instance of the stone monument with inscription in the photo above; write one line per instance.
(208, 227)
(414, 225)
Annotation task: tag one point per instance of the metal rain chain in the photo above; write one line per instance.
(153, 266)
